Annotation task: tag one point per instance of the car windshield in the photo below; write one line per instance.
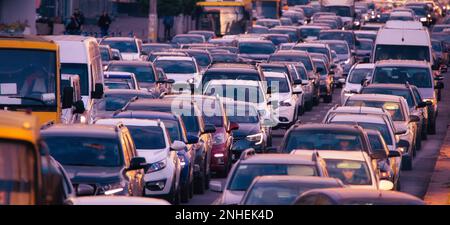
(293, 58)
(367, 36)
(348, 37)
(122, 46)
(320, 65)
(176, 66)
(323, 140)
(142, 73)
(242, 114)
(357, 75)
(112, 80)
(85, 151)
(155, 48)
(406, 52)
(212, 112)
(278, 84)
(402, 18)
(191, 123)
(117, 85)
(147, 137)
(17, 173)
(277, 40)
(382, 128)
(339, 48)
(282, 193)
(350, 172)
(245, 173)
(114, 102)
(343, 11)
(309, 32)
(376, 142)
(419, 77)
(268, 23)
(405, 93)
(188, 40)
(174, 129)
(229, 57)
(256, 48)
(81, 70)
(365, 45)
(237, 92)
(393, 108)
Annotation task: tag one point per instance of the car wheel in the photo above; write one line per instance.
(185, 192)
(200, 182)
(407, 163)
(432, 127)
(207, 179)
(424, 132)
(227, 166)
(418, 144)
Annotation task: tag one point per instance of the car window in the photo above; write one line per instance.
(245, 173)
(394, 108)
(278, 84)
(357, 75)
(142, 73)
(176, 66)
(148, 137)
(405, 93)
(322, 140)
(122, 46)
(350, 172)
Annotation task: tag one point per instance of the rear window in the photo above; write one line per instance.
(147, 137)
(142, 73)
(323, 140)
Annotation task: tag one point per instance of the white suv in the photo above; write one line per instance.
(162, 177)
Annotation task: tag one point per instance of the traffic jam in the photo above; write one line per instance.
(295, 102)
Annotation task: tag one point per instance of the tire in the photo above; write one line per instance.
(175, 196)
(407, 163)
(207, 179)
(418, 144)
(200, 182)
(309, 105)
(227, 167)
(432, 127)
(185, 192)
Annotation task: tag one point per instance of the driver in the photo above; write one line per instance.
(36, 82)
(349, 173)
(344, 145)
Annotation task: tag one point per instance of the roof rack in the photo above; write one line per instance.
(247, 153)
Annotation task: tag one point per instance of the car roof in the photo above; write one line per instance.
(409, 63)
(364, 66)
(405, 25)
(341, 194)
(190, 35)
(275, 74)
(312, 44)
(130, 121)
(401, 13)
(255, 41)
(321, 126)
(130, 63)
(83, 130)
(112, 74)
(271, 158)
(174, 58)
(118, 39)
(292, 52)
(275, 179)
(358, 109)
(235, 82)
(366, 32)
(376, 97)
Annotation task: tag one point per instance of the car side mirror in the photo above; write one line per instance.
(84, 190)
(297, 90)
(67, 98)
(414, 118)
(297, 82)
(435, 66)
(137, 163)
(378, 154)
(209, 129)
(422, 104)
(99, 91)
(191, 139)
(233, 126)
(79, 107)
(216, 186)
(177, 146)
(394, 153)
(115, 57)
(386, 185)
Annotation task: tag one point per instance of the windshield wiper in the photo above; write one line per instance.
(29, 98)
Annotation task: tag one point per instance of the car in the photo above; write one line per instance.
(258, 29)
(402, 16)
(354, 168)
(345, 35)
(145, 73)
(206, 33)
(225, 57)
(291, 31)
(182, 69)
(181, 39)
(120, 80)
(326, 81)
(441, 54)
(195, 125)
(422, 15)
(214, 112)
(107, 54)
(366, 34)
(116, 99)
(358, 73)
(417, 73)
(283, 190)
(116, 200)
(100, 160)
(286, 46)
(344, 196)
(328, 137)
(371, 26)
(116, 54)
(152, 141)
(415, 103)
(252, 132)
(286, 21)
(364, 50)
(251, 165)
(72, 110)
(177, 132)
(439, 28)
(290, 98)
(297, 18)
(155, 47)
(130, 47)
(343, 53)
(310, 32)
(202, 57)
(314, 47)
(257, 50)
(404, 122)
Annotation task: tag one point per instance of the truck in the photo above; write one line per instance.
(343, 8)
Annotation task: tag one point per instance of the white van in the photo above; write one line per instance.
(407, 40)
(81, 55)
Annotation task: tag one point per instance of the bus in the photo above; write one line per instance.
(30, 77)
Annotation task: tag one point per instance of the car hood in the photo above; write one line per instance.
(130, 56)
(232, 197)
(246, 129)
(427, 93)
(153, 155)
(93, 174)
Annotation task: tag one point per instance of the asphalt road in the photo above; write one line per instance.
(414, 182)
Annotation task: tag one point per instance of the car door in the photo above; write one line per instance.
(137, 176)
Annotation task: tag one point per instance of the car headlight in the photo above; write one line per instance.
(112, 189)
(219, 139)
(429, 15)
(378, 16)
(258, 138)
(423, 19)
(153, 167)
(356, 23)
(182, 161)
